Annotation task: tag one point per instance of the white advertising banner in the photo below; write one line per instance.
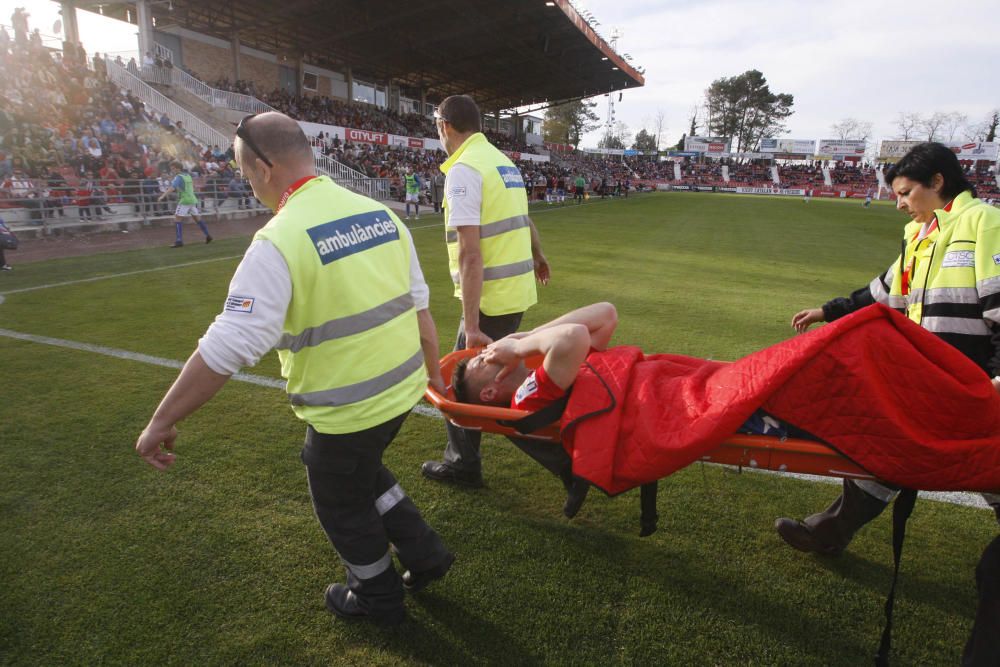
(893, 150)
(708, 144)
(355, 136)
(805, 146)
(976, 150)
(841, 147)
(770, 191)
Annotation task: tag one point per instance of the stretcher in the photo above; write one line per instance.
(787, 455)
(747, 451)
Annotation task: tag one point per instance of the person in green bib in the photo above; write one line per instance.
(333, 283)
(494, 256)
(580, 185)
(412, 183)
(187, 202)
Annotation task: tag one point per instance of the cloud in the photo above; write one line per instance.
(869, 60)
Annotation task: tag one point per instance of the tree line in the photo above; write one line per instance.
(745, 108)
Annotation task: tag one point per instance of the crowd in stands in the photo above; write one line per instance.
(985, 181)
(803, 176)
(854, 177)
(71, 138)
(328, 111)
(751, 175)
(357, 115)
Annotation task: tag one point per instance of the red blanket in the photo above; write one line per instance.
(894, 398)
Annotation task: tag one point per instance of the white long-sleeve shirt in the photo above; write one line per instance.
(250, 323)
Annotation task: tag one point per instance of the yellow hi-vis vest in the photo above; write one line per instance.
(350, 346)
(949, 281)
(504, 234)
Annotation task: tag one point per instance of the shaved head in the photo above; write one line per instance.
(280, 138)
(273, 137)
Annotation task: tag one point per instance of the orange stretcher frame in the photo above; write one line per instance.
(747, 451)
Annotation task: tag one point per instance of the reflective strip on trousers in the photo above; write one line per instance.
(347, 326)
(371, 570)
(956, 325)
(389, 499)
(354, 393)
(945, 295)
(494, 228)
(876, 490)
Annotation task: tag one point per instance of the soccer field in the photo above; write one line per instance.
(221, 561)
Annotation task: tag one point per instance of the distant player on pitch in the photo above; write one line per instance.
(187, 202)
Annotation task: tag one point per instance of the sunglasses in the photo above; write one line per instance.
(438, 116)
(244, 133)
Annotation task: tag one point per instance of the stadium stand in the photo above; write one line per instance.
(74, 145)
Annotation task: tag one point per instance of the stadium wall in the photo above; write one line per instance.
(211, 59)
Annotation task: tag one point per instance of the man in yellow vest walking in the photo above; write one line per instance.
(333, 283)
(494, 255)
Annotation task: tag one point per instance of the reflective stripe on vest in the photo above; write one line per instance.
(504, 230)
(350, 346)
(347, 326)
(362, 390)
(878, 290)
(494, 228)
(950, 281)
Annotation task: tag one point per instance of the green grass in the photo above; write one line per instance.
(221, 561)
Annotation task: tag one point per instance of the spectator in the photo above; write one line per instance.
(7, 242)
(19, 22)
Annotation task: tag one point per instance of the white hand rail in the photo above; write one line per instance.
(218, 98)
(376, 188)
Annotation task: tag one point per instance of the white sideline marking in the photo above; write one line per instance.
(957, 498)
(259, 380)
(115, 275)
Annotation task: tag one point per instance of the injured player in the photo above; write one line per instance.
(498, 376)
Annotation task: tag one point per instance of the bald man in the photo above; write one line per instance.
(332, 282)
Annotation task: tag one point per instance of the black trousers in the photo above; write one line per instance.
(365, 512)
(462, 451)
(983, 647)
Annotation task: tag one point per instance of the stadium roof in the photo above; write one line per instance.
(505, 53)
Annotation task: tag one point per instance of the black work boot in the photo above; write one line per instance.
(414, 582)
(342, 601)
(576, 492)
(829, 532)
(441, 471)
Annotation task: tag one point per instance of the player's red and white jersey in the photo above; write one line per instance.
(537, 391)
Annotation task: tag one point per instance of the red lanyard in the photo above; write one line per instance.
(291, 190)
(910, 270)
